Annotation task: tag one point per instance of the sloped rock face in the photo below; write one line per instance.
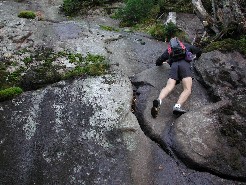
(223, 74)
(73, 132)
(22, 38)
(214, 136)
(205, 141)
(228, 83)
(149, 89)
(190, 24)
(83, 132)
(211, 136)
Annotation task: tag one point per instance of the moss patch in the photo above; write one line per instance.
(93, 65)
(27, 14)
(9, 93)
(109, 28)
(31, 70)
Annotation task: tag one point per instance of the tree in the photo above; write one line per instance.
(227, 18)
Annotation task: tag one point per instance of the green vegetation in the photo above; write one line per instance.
(184, 6)
(164, 32)
(135, 11)
(27, 14)
(228, 45)
(41, 68)
(93, 65)
(73, 7)
(109, 28)
(138, 11)
(9, 93)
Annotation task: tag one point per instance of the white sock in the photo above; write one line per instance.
(159, 101)
(177, 105)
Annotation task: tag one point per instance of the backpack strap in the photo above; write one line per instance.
(182, 45)
(169, 49)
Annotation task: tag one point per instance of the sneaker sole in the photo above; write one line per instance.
(154, 112)
(176, 112)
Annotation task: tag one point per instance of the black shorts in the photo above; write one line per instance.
(180, 69)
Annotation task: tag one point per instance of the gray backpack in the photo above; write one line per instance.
(176, 49)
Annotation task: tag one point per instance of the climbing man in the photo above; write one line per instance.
(179, 56)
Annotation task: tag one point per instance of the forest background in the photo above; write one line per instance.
(224, 20)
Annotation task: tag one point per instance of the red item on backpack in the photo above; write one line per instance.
(176, 49)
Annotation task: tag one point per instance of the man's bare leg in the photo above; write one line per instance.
(187, 85)
(164, 92)
(167, 89)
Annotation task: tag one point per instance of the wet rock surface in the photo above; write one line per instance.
(82, 131)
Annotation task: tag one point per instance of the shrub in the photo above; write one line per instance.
(158, 31)
(9, 93)
(27, 14)
(164, 32)
(176, 6)
(71, 7)
(135, 11)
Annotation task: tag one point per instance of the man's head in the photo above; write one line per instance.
(172, 38)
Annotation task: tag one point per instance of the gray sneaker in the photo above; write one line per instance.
(155, 109)
(178, 111)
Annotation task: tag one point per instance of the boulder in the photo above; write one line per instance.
(82, 131)
(223, 74)
(149, 88)
(201, 139)
(74, 132)
(213, 136)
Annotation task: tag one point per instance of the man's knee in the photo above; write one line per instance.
(187, 91)
(170, 83)
(187, 83)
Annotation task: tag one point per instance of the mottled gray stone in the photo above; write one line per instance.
(73, 132)
(82, 131)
